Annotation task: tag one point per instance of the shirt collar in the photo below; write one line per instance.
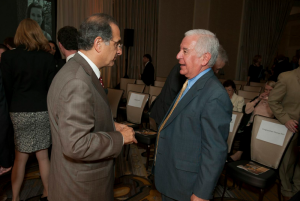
(69, 57)
(146, 63)
(93, 66)
(192, 81)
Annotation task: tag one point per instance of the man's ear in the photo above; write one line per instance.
(205, 59)
(98, 44)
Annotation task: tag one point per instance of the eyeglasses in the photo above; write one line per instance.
(117, 44)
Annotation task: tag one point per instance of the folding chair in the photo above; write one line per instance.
(263, 153)
(248, 94)
(123, 85)
(234, 125)
(252, 88)
(161, 79)
(114, 96)
(139, 82)
(159, 83)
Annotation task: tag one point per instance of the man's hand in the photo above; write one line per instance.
(291, 125)
(195, 198)
(119, 127)
(128, 135)
(4, 170)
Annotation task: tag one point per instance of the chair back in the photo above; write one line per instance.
(268, 153)
(146, 90)
(139, 82)
(152, 98)
(252, 88)
(161, 79)
(135, 106)
(114, 96)
(159, 83)
(247, 100)
(238, 86)
(123, 85)
(222, 80)
(248, 94)
(154, 91)
(243, 83)
(135, 87)
(257, 84)
(234, 125)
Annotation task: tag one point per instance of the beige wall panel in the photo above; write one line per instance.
(175, 18)
(225, 21)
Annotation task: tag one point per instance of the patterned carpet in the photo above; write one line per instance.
(131, 184)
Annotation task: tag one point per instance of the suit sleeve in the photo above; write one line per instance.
(7, 78)
(215, 121)
(275, 98)
(76, 122)
(6, 152)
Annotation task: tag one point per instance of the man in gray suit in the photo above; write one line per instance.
(191, 144)
(85, 138)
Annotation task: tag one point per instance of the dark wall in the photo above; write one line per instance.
(8, 18)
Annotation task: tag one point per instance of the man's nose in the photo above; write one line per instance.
(179, 55)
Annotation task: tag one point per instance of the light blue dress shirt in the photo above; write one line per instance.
(192, 81)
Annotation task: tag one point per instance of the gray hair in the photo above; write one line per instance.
(94, 26)
(222, 54)
(207, 43)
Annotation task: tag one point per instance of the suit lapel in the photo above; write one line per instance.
(88, 69)
(189, 96)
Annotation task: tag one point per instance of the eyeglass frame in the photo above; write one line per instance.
(119, 44)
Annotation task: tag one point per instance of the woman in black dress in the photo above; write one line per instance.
(27, 74)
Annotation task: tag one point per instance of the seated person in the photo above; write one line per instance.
(258, 106)
(237, 101)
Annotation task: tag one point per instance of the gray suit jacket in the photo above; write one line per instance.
(192, 146)
(84, 139)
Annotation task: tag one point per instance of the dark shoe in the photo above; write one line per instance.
(43, 199)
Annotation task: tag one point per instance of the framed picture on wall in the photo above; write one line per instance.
(42, 11)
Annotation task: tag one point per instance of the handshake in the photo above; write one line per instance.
(127, 132)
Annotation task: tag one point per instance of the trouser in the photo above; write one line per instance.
(289, 170)
(166, 198)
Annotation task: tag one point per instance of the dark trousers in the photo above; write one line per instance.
(245, 143)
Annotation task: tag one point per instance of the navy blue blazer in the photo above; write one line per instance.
(192, 146)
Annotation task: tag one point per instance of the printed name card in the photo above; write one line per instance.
(136, 100)
(272, 132)
(233, 118)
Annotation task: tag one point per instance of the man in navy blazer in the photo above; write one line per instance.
(192, 144)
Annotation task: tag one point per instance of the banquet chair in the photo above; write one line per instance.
(258, 84)
(248, 94)
(139, 82)
(114, 96)
(159, 83)
(252, 88)
(264, 154)
(232, 132)
(161, 79)
(243, 83)
(123, 84)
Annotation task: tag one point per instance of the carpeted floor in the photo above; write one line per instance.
(131, 184)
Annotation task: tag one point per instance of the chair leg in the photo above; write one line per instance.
(261, 195)
(225, 186)
(240, 185)
(148, 156)
(128, 151)
(279, 190)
